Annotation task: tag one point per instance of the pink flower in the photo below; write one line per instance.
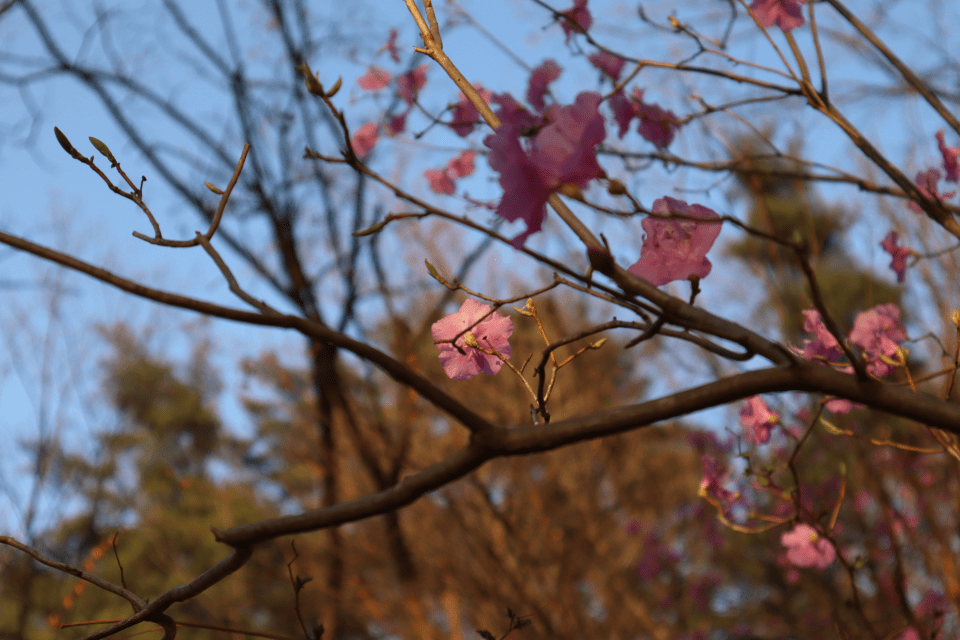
(897, 253)
(841, 405)
(675, 249)
(539, 79)
(364, 138)
(465, 115)
(657, 125)
(926, 182)
(512, 112)
(878, 331)
(805, 547)
(786, 14)
(462, 165)
(440, 181)
(608, 63)
(577, 19)
(410, 83)
(714, 476)
(624, 109)
(374, 79)
(823, 347)
(950, 163)
(443, 180)
(757, 419)
(564, 151)
(398, 123)
(391, 46)
(491, 333)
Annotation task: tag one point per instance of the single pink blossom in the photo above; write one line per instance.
(657, 125)
(564, 151)
(714, 475)
(805, 547)
(842, 405)
(410, 83)
(879, 332)
(374, 79)
(491, 333)
(823, 347)
(926, 182)
(608, 63)
(462, 164)
(465, 115)
(364, 139)
(786, 14)
(576, 19)
(951, 165)
(675, 249)
(513, 113)
(391, 46)
(440, 181)
(396, 124)
(898, 254)
(444, 180)
(757, 419)
(539, 79)
(624, 109)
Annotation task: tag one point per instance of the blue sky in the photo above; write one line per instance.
(48, 363)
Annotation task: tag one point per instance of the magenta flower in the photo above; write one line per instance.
(374, 79)
(898, 254)
(675, 249)
(364, 139)
(577, 19)
(465, 115)
(786, 14)
(462, 164)
(513, 113)
(539, 79)
(490, 333)
(714, 475)
(757, 419)
(608, 63)
(444, 180)
(410, 83)
(926, 182)
(440, 181)
(564, 151)
(805, 547)
(396, 124)
(823, 347)
(951, 165)
(657, 125)
(391, 46)
(879, 331)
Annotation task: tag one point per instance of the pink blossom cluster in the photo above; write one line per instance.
(408, 86)
(878, 332)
